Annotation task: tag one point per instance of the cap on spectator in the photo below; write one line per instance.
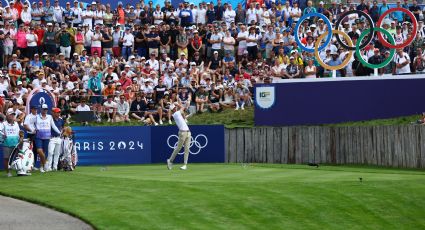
(93, 3)
(291, 57)
(167, 59)
(387, 51)
(10, 111)
(321, 3)
(43, 81)
(19, 83)
(56, 110)
(45, 106)
(49, 24)
(334, 53)
(182, 54)
(41, 74)
(131, 7)
(152, 27)
(376, 50)
(152, 73)
(118, 84)
(193, 63)
(44, 54)
(132, 57)
(35, 55)
(392, 22)
(127, 66)
(195, 31)
(313, 25)
(61, 54)
(216, 52)
(143, 58)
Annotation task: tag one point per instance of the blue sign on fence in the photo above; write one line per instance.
(143, 144)
(113, 145)
(207, 143)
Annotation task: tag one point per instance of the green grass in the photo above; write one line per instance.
(245, 119)
(229, 118)
(231, 196)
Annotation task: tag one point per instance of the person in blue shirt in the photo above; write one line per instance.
(336, 61)
(186, 17)
(95, 91)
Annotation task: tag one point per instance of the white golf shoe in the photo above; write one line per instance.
(184, 167)
(169, 164)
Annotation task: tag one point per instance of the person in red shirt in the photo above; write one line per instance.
(40, 33)
(18, 6)
(196, 42)
(124, 80)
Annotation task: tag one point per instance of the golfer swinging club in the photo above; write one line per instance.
(184, 135)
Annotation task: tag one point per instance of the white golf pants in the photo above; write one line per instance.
(55, 145)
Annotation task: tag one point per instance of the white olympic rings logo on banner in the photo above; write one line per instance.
(197, 142)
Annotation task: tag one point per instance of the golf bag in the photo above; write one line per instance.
(22, 158)
(68, 158)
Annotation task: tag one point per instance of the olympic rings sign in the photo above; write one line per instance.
(200, 142)
(359, 45)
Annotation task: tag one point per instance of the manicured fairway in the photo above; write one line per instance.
(234, 196)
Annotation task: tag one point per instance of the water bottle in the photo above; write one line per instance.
(108, 58)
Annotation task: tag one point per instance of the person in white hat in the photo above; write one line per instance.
(184, 135)
(44, 125)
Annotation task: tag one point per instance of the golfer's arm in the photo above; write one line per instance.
(52, 123)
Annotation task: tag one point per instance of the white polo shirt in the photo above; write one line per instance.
(180, 121)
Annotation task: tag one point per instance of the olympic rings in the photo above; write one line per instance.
(369, 20)
(412, 36)
(347, 59)
(388, 60)
(328, 26)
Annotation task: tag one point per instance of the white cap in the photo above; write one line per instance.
(321, 2)
(10, 111)
(192, 63)
(167, 59)
(127, 66)
(216, 52)
(182, 54)
(75, 54)
(44, 106)
(44, 54)
(132, 57)
(49, 24)
(19, 83)
(43, 81)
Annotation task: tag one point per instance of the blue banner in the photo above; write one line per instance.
(207, 143)
(113, 145)
(322, 101)
(145, 144)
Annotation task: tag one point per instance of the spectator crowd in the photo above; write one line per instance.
(133, 61)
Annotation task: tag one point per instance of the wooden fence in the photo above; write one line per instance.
(393, 146)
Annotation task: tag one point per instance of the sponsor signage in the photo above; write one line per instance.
(327, 100)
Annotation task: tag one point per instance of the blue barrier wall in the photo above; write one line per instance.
(321, 101)
(144, 144)
(207, 143)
